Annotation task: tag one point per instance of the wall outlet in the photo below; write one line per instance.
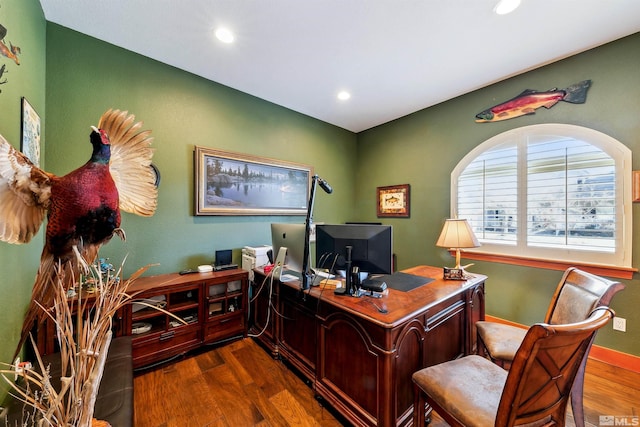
(619, 324)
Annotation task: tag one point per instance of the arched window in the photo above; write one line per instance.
(551, 191)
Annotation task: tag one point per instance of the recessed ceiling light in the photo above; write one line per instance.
(506, 6)
(224, 35)
(343, 95)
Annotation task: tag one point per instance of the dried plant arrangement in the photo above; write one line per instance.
(84, 335)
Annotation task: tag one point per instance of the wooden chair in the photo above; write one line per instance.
(577, 294)
(473, 391)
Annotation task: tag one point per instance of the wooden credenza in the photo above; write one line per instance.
(360, 359)
(197, 309)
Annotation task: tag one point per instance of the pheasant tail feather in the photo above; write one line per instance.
(130, 164)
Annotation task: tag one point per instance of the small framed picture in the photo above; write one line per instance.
(393, 201)
(30, 142)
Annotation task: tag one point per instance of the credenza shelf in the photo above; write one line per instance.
(189, 298)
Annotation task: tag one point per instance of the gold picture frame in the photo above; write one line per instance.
(229, 183)
(394, 201)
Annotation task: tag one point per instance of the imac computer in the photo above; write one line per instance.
(292, 237)
(363, 248)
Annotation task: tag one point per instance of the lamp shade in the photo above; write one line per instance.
(457, 233)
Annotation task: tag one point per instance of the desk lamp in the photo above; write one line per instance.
(456, 234)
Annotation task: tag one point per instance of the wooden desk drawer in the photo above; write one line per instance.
(156, 347)
(224, 327)
(443, 310)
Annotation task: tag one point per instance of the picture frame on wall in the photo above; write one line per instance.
(30, 132)
(394, 201)
(229, 183)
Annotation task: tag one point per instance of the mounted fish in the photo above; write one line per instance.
(530, 100)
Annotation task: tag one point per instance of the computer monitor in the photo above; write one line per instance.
(290, 236)
(371, 247)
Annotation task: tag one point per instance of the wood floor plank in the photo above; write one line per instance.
(610, 391)
(614, 374)
(203, 400)
(220, 422)
(273, 376)
(268, 374)
(209, 360)
(146, 389)
(239, 369)
(291, 410)
(240, 384)
(264, 405)
(237, 409)
(185, 382)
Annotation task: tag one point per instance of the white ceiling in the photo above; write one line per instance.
(394, 56)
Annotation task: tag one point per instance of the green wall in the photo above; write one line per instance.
(423, 148)
(25, 26)
(86, 76)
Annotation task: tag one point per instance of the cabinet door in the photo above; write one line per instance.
(446, 332)
(476, 313)
(298, 331)
(225, 309)
(263, 319)
(165, 323)
(350, 366)
(146, 318)
(408, 359)
(224, 298)
(152, 348)
(184, 306)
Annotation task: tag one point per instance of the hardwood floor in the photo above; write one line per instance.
(610, 391)
(240, 384)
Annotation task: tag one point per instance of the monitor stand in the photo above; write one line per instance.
(347, 280)
(342, 291)
(279, 264)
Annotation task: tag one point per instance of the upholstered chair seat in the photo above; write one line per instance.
(473, 391)
(501, 340)
(576, 295)
(473, 382)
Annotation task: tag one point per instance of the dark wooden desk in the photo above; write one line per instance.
(359, 359)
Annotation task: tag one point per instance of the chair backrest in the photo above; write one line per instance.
(577, 294)
(539, 381)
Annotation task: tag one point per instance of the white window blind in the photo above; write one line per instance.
(488, 194)
(548, 191)
(570, 195)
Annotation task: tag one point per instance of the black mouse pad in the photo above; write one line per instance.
(402, 281)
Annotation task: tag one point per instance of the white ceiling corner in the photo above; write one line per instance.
(395, 57)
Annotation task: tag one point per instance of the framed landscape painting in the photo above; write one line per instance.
(228, 183)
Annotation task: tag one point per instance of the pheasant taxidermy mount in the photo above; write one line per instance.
(83, 207)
